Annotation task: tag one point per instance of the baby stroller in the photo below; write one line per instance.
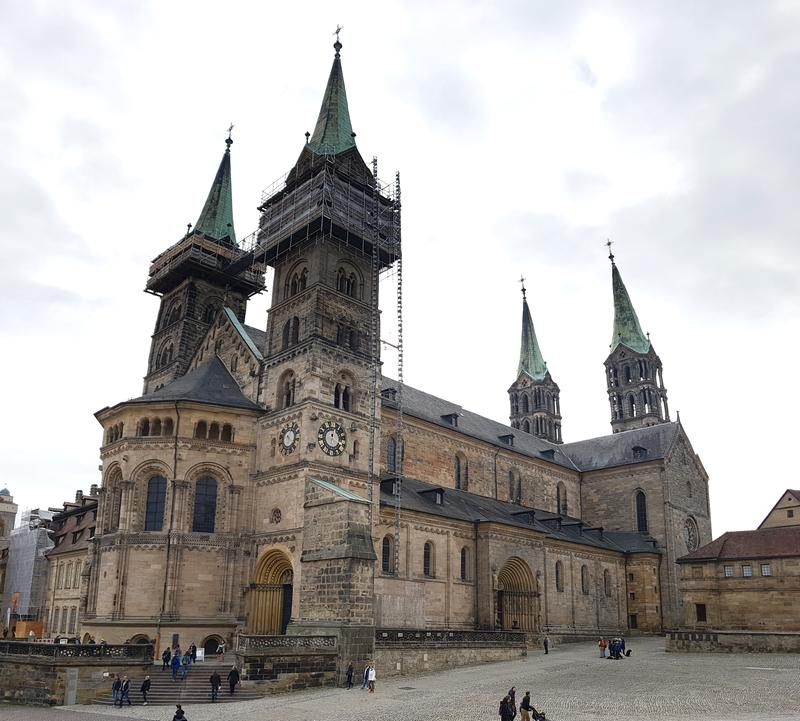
(537, 715)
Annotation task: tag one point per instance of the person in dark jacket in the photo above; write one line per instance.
(179, 715)
(512, 697)
(116, 691)
(525, 707)
(144, 689)
(176, 664)
(166, 657)
(125, 691)
(233, 679)
(350, 675)
(193, 652)
(506, 712)
(216, 682)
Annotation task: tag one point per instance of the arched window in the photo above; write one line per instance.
(641, 512)
(227, 433)
(607, 582)
(209, 313)
(387, 555)
(561, 499)
(627, 374)
(168, 427)
(688, 489)
(144, 427)
(205, 506)
(341, 396)
(464, 564)
(559, 576)
(585, 579)
(155, 429)
(526, 427)
(632, 406)
(293, 284)
(174, 315)
(391, 455)
(302, 280)
(525, 406)
(156, 496)
(201, 430)
(346, 398)
(356, 450)
(286, 390)
(427, 559)
(213, 432)
(460, 472)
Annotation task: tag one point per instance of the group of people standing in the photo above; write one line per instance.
(508, 707)
(615, 648)
(369, 677)
(121, 690)
(177, 661)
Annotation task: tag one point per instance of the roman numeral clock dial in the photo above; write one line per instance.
(331, 438)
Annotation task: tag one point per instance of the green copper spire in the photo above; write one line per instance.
(627, 330)
(530, 355)
(333, 133)
(216, 218)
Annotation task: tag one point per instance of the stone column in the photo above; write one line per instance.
(126, 503)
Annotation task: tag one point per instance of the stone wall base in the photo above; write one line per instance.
(733, 641)
(402, 661)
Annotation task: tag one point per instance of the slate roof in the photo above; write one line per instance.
(209, 383)
(464, 506)
(259, 337)
(615, 449)
(216, 217)
(73, 528)
(333, 133)
(781, 542)
(627, 330)
(530, 355)
(244, 333)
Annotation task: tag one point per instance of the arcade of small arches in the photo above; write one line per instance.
(348, 282)
(214, 431)
(628, 373)
(114, 433)
(538, 400)
(645, 402)
(539, 426)
(155, 427)
(296, 282)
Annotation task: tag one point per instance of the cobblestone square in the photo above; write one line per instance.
(570, 684)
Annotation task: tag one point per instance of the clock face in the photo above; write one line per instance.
(331, 438)
(290, 435)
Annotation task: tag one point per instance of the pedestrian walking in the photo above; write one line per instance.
(216, 683)
(366, 677)
(221, 647)
(193, 652)
(125, 692)
(179, 715)
(116, 692)
(176, 664)
(371, 678)
(525, 707)
(602, 645)
(145, 689)
(350, 675)
(233, 678)
(166, 657)
(546, 644)
(512, 697)
(185, 661)
(505, 712)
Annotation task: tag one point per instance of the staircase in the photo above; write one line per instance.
(194, 689)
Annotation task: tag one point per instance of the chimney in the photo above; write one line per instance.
(78, 496)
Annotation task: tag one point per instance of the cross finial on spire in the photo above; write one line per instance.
(522, 283)
(229, 139)
(609, 243)
(337, 46)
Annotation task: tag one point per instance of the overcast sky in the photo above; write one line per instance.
(526, 133)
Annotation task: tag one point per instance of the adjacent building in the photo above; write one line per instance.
(68, 570)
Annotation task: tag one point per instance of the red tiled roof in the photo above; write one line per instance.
(739, 545)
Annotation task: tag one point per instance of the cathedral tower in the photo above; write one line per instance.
(195, 279)
(636, 390)
(534, 397)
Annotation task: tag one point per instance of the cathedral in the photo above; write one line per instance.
(273, 481)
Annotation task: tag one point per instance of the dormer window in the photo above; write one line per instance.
(451, 419)
(639, 452)
(438, 497)
(390, 394)
(548, 453)
(508, 439)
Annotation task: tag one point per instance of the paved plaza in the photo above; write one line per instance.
(570, 684)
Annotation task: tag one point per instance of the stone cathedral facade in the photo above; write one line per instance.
(237, 493)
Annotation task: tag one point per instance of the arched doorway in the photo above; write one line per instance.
(517, 597)
(271, 594)
(210, 645)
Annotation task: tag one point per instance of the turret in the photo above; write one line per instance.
(534, 396)
(636, 391)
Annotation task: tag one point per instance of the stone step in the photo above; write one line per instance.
(195, 688)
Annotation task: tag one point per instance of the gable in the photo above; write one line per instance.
(786, 512)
